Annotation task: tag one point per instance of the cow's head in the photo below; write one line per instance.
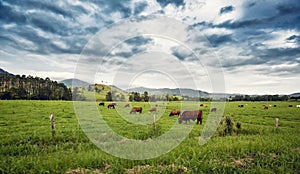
(180, 119)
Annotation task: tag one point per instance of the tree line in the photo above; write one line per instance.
(146, 97)
(33, 88)
(259, 98)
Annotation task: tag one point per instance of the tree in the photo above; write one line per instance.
(109, 96)
(146, 97)
(137, 97)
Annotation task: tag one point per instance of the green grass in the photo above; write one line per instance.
(27, 145)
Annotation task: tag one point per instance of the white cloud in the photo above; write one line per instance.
(279, 39)
(53, 75)
(217, 31)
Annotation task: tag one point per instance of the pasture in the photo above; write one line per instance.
(27, 144)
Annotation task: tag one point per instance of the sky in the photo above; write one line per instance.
(247, 47)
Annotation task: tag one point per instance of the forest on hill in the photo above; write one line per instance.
(33, 88)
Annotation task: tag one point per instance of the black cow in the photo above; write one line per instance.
(101, 104)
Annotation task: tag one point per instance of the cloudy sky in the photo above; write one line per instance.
(250, 46)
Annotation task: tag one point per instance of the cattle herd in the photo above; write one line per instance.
(182, 116)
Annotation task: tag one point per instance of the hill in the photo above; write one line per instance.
(75, 83)
(4, 72)
(295, 94)
(175, 91)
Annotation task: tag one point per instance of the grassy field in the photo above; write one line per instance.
(27, 145)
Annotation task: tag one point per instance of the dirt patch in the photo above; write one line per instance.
(105, 168)
(244, 162)
(162, 169)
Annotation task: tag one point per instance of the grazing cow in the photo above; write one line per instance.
(191, 115)
(290, 105)
(136, 109)
(174, 112)
(213, 110)
(240, 106)
(101, 104)
(266, 108)
(126, 105)
(274, 105)
(297, 106)
(112, 106)
(153, 110)
(201, 104)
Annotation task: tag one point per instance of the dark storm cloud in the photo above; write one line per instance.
(130, 53)
(278, 15)
(139, 7)
(251, 4)
(294, 39)
(256, 23)
(164, 3)
(226, 9)
(9, 15)
(271, 56)
(280, 54)
(216, 40)
(132, 46)
(113, 6)
(259, 23)
(36, 21)
(138, 41)
(183, 53)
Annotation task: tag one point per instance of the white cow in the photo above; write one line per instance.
(297, 106)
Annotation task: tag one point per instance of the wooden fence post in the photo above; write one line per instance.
(153, 124)
(276, 122)
(52, 124)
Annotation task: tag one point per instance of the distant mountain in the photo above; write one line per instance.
(116, 88)
(4, 72)
(175, 91)
(75, 83)
(295, 94)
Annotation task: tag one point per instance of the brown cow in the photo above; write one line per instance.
(266, 108)
(153, 110)
(111, 106)
(174, 112)
(136, 109)
(191, 115)
(126, 105)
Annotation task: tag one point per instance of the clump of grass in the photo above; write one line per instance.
(227, 127)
